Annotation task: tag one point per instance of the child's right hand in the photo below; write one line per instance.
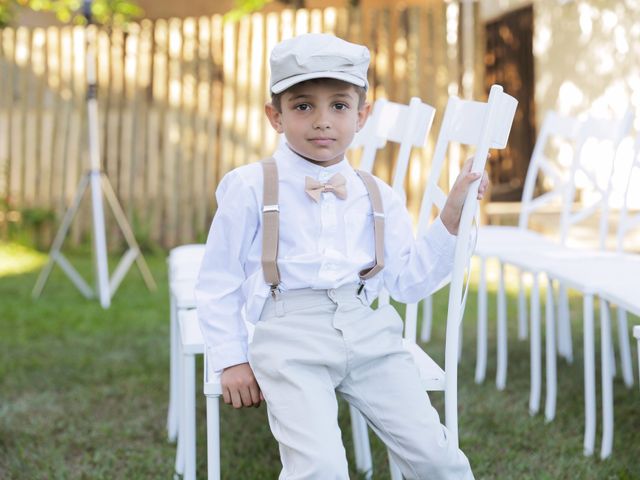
(239, 386)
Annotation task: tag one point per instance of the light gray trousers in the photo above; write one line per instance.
(310, 344)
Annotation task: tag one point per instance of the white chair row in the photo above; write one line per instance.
(581, 269)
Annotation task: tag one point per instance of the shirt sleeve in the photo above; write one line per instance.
(219, 295)
(414, 267)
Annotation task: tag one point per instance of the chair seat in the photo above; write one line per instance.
(431, 374)
(612, 275)
(493, 240)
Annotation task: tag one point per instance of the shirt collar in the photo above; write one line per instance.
(295, 163)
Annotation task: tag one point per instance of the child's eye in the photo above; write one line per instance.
(303, 107)
(341, 106)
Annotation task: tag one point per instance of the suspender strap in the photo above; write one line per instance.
(270, 223)
(378, 224)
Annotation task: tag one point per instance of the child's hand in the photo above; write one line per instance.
(239, 387)
(450, 214)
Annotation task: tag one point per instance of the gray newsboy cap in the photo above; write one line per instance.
(317, 55)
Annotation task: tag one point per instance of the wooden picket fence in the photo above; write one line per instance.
(181, 103)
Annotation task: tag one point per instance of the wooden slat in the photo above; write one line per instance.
(32, 124)
(227, 160)
(5, 85)
(49, 104)
(139, 191)
(214, 150)
(171, 134)
(185, 160)
(77, 159)
(201, 138)
(16, 50)
(154, 140)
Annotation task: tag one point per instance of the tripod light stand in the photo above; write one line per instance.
(98, 182)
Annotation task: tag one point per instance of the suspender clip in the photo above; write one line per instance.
(270, 208)
(275, 291)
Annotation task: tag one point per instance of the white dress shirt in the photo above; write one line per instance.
(322, 245)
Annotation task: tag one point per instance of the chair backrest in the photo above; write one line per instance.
(458, 122)
(561, 180)
(483, 125)
(627, 222)
(407, 125)
(554, 127)
(184, 261)
(590, 172)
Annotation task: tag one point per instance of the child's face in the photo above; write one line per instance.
(319, 119)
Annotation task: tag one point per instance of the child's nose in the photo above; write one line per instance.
(321, 121)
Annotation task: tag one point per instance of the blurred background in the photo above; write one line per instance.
(182, 87)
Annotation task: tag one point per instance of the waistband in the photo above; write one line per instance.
(308, 297)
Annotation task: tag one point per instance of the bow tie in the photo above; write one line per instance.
(336, 184)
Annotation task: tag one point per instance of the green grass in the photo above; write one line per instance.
(83, 395)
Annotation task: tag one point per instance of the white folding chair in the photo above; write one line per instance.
(407, 125)
(561, 132)
(183, 264)
(483, 125)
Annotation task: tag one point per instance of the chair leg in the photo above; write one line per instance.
(589, 377)
(427, 318)
(189, 413)
(625, 351)
(522, 308)
(536, 361)
(213, 438)
(481, 349)
(607, 380)
(174, 381)
(502, 360)
(364, 462)
(180, 446)
(394, 469)
(565, 341)
(551, 373)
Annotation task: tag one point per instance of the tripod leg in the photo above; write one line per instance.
(60, 236)
(121, 218)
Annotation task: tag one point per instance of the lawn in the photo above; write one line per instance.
(83, 393)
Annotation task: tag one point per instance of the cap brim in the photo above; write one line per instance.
(282, 85)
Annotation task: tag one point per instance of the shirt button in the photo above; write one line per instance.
(331, 293)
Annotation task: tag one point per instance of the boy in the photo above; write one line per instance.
(292, 246)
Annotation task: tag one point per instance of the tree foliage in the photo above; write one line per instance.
(246, 7)
(104, 12)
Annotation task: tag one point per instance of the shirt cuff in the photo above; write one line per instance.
(228, 355)
(441, 240)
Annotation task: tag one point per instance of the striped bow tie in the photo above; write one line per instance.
(336, 185)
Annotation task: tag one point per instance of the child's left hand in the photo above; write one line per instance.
(450, 214)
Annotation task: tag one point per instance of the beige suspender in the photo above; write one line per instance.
(271, 217)
(378, 224)
(270, 223)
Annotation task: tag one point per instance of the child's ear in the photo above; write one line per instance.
(274, 116)
(363, 114)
